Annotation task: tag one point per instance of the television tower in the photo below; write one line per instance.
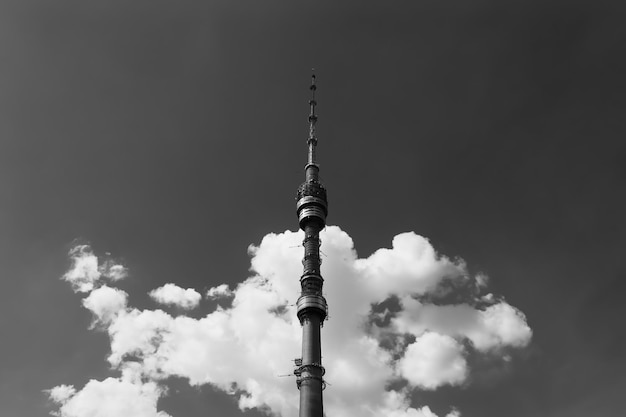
(312, 208)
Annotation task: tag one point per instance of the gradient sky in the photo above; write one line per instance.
(172, 135)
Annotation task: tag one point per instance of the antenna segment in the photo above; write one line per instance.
(312, 141)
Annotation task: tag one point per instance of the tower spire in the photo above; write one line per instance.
(312, 208)
(312, 142)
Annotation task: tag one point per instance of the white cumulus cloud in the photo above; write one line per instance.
(105, 303)
(363, 357)
(173, 295)
(112, 397)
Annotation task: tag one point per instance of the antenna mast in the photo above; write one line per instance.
(312, 310)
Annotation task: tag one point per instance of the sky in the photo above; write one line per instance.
(473, 154)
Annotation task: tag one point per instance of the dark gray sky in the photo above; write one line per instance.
(172, 134)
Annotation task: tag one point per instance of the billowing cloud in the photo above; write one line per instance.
(412, 345)
(173, 295)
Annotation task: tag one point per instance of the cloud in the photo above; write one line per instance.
(61, 393)
(410, 265)
(366, 352)
(496, 326)
(108, 398)
(221, 291)
(396, 404)
(105, 303)
(113, 271)
(173, 295)
(86, 270)
(433, 360)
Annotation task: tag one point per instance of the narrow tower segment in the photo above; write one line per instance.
(312, 208)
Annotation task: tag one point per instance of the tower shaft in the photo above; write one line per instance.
(312, 208)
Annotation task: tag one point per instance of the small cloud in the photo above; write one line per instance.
(173, 295)
(105, 303)
(454, 413)
(113, 271)
(61, 393)
(108, 398)
(488, 298)
(482, 280)
(87, 270)
(84, 271)
(221, 291)
(503, 325)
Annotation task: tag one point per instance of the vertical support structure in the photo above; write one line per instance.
(312, 208)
